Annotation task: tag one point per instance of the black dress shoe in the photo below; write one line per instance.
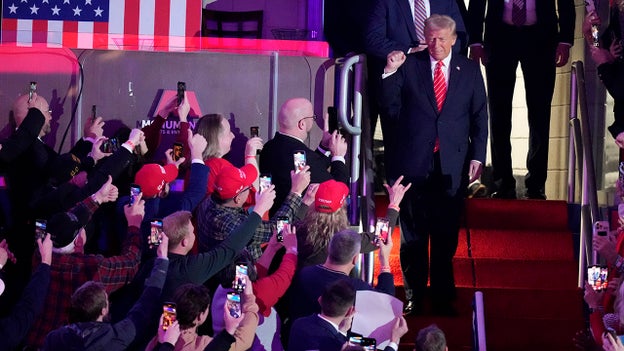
(504, 194)
(413, 308)
(535, 195)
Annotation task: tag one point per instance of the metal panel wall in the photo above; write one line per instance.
(125, 86)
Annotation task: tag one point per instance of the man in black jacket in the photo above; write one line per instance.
(296, 119)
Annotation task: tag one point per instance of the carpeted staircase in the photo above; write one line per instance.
(520, 254)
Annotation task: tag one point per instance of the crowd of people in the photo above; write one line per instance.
(118, 253)
(230, 263)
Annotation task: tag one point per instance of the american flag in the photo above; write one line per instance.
(164, 25)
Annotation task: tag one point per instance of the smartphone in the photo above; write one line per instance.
(234, 304)
(32, 88)
(382, 228)
(369, 344)
(178, 148)
(110, 145)
(254, 131)
(299, 158)
(40, 228)
(93, 112)
(282, 221)
(169, 314)
(156, 226)
(181, 90)
(240, 278)
(597, 276)
(135, 190)
(601, 228)
(333, 119)
(355, 340)
(265, 182)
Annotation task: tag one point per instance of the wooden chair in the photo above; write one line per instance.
(225, 24)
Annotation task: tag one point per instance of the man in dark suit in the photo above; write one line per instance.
(326, 331)
(296, 119)
(537, 34)
(392, 26)
(437, 139)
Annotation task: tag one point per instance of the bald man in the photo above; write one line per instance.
(30, 123)
(296, 118)
(27, 177)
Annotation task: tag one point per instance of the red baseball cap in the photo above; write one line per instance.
(152, 178)
(330, 196)
(231, 181)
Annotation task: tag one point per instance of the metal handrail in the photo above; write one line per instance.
(350, 96)
(582, 151)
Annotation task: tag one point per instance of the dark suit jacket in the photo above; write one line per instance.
(556, 28)
(412, 121)
(314, 333)
(391, 26)
(22, 138)
(276, 159)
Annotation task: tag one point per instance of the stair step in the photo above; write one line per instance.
(525, 244)
(545, 275)
(533, 303)
(515, 215)
(516, 334)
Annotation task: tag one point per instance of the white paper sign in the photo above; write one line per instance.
(375, 314)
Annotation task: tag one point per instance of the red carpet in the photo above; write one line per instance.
(520, 254)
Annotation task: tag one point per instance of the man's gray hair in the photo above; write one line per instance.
(430, 338)
(437, 22)
(343, 246)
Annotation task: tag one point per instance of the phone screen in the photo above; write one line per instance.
(32, 88)
(597, 276)
(282, 221)
(265, 182)
(181, 90)
(355, 340)
(369, 344)
(382, 228)
(153, 239)
(299, 158)
(177, 151)
(254, 131)
(135, 190)
(233, 304)
(240, 279)
(40, 228)
(169, 314)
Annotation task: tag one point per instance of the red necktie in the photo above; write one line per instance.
(420, 15)
(439, 88)
(518, 12)
(439, 85)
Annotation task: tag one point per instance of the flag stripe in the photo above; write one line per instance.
(161, 23)
(146, 22)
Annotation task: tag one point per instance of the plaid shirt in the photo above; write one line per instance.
(70, 271)
(215, 222)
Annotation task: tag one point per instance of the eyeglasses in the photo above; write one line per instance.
(313, 118)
